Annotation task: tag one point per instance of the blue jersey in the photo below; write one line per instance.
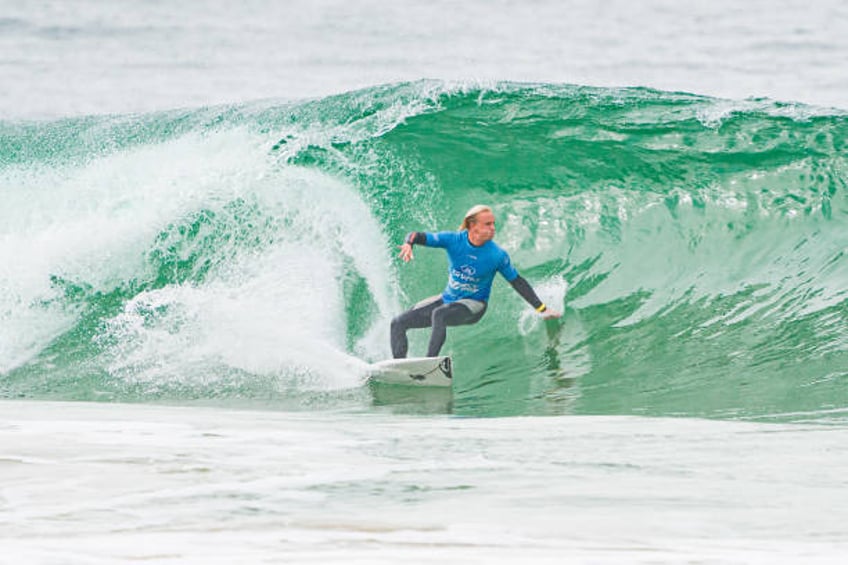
(471, 269)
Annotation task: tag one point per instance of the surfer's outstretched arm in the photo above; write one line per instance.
(526, 291)
(413, 238)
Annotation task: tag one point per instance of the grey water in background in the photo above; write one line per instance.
(91, 56)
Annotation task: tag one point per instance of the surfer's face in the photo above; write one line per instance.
(483, 228)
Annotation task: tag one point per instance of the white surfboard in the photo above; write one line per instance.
(419, 371)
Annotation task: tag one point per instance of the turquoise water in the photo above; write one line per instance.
(244, 255)
(200, 207)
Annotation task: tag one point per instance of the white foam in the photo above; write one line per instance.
(97, 483)
(260, 308)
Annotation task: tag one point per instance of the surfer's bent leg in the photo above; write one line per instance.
(419, 316)
(458, 313)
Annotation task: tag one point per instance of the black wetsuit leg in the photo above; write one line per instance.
(434, 313)
(453, 314)
(419, 316)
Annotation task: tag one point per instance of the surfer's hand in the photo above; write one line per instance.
(406, 252)
(549, 314)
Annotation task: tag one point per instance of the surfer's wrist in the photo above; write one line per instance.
(542, 308)
(415, 237)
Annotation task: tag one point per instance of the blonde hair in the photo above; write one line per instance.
(471, 215)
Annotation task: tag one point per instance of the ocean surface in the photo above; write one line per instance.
(200, 207)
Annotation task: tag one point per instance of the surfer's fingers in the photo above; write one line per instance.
(405, 254)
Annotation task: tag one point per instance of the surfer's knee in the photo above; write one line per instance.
(437, 317)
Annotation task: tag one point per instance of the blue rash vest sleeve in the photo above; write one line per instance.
(506, 269)
(440, 239)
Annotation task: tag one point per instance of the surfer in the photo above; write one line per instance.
(473, 261)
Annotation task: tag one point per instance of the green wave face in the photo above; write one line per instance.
(246, 254)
